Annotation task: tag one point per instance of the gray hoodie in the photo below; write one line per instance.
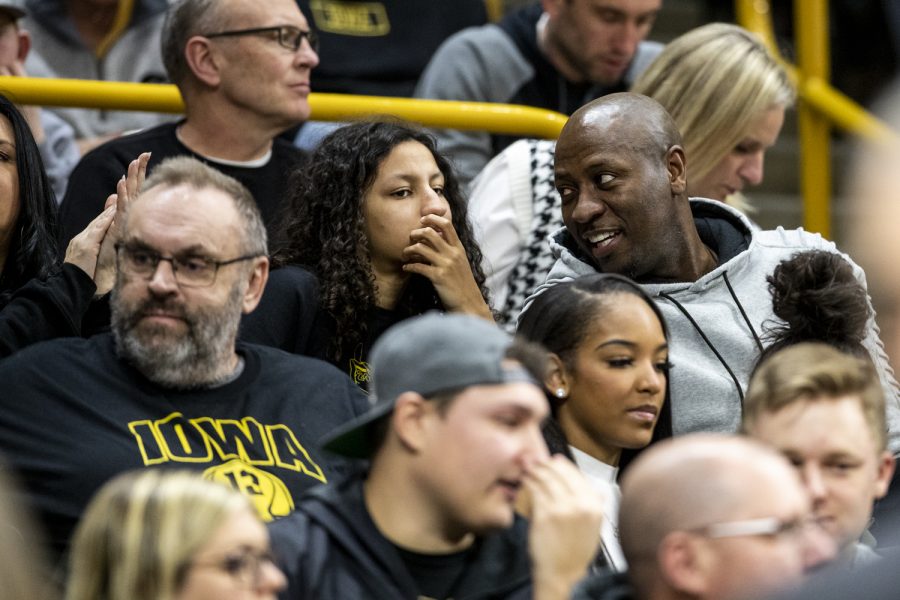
(716, 323)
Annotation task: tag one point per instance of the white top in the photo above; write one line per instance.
(603, 477)
(501, 224)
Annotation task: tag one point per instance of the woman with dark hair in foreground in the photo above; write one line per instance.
(607, 385)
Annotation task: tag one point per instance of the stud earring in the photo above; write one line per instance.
(560, 393)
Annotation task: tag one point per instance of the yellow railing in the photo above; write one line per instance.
(819, 105)
(496, 118)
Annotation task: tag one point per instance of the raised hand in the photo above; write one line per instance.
(127, 190)
(565, 515)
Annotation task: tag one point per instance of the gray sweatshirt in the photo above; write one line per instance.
(712, 345)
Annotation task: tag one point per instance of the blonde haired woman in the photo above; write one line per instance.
(727, 94)
(24, 570)
(156, 535)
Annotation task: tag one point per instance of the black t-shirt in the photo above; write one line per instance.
(73, 415)
(436, 575)
(289, 317)
(95, 177)
(381, 48)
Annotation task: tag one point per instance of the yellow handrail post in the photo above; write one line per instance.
(755, 15)
(811, 25)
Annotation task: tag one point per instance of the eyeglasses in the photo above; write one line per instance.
(287, 36)
(245, 567)
(764, 526)
(189, 271)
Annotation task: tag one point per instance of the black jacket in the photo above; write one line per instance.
(330, 548)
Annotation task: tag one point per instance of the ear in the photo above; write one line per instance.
(675, 165)
(256, 284)
(409, 420)
(886, 465)
(683, 563)
(203, 60)
(557, 378)
(24, 45)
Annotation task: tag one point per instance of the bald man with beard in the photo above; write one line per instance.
(712, 516)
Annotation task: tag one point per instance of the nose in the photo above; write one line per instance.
(162, 282)
(814, 483)
(587, 208)
(306, 57)
(626, 41)
(534, 448)
(752, 168)
(272, 579)
(817, 547)
(434, 204)
(651, 380)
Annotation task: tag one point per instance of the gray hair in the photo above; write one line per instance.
(185, 19)
(186, 170)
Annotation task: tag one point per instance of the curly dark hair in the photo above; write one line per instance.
(325, 228)
(33, 251)
(819, 298)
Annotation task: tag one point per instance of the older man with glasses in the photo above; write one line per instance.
(170, 386)
(713, 516)
(243, 69)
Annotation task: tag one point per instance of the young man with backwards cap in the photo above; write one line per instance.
(453, 438)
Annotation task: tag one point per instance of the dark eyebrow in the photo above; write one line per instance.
(618, 343)
(630, 344)
(192, 250)
(412, 177)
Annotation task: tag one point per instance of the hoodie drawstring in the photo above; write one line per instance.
(709, 343)
(743, 312)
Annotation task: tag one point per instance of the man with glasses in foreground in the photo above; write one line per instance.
(713, 516)
(169, 386)
(243, 69)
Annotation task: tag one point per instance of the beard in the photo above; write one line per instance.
(192, 359)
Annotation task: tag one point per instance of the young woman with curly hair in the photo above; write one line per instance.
(377, 232)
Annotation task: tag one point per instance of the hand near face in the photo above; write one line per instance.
(566, 514)
(126, 190)
(435, 252)
(84, 248)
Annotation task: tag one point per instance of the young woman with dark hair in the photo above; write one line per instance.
(608, 381)
(42, 297)
(28, 246)
(377, 233)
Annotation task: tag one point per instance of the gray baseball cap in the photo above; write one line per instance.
(13, 8)
(429, 354)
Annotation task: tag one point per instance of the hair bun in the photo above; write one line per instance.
(819, 298)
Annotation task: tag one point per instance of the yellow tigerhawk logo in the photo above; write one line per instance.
(359, 371)
(235, 449)
(270, 496)
(361, 19)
